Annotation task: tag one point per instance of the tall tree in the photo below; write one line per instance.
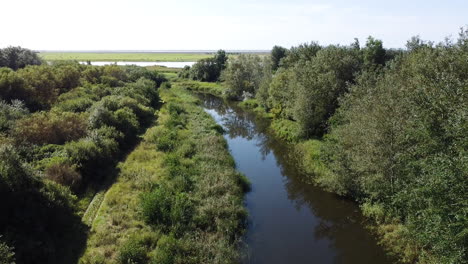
(277, 53)
(17, 57)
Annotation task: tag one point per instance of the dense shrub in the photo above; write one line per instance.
(11, 85)
(156, 206)
(399, 141)
(166, 140)
(51, 128)
(67, 76)
(164, 207)
(132, 252)
(207, 70)
(167, 250)
(39, 213)
(7, 254)
(17, 57)
(244, 74)
(10, 113)
(83, 118)
(63, 173)
(319, 84)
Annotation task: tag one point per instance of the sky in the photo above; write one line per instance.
(219, 24)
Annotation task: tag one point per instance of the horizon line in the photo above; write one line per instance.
(157, 51)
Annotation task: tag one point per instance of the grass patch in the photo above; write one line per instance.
(178, 197)
(213, 88)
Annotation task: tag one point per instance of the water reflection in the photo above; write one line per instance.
(290, 221)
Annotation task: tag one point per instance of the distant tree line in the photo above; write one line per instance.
(394, 125)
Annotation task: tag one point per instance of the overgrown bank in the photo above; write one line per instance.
(386, 128)
(178, 198)
(63, 127)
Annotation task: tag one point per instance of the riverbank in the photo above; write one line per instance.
(178, 197)
(391, 233)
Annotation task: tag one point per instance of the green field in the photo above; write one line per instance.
(117, 56)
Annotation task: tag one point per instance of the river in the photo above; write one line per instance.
(289, 221)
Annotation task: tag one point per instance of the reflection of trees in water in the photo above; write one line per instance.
(340, 220)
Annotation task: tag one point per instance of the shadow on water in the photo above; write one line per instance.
(289, 221)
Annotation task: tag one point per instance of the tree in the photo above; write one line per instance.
(17, 57)
(303, 52)
(374, 53)
(277, 53)
(244, 74)
(320, 82)
(207, 70)
(398, 141)
(221, 60)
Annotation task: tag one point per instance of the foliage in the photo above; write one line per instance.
(187, 199)
(39, 213)
(132, 252)
(17, 57)
(244, 74)
(206, 70)
(399, 140)
(277, 53)
(50, 128)
(7, 255)
(10, 113)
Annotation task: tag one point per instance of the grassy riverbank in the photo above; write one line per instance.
(121, 56)
(178, 197)
(391, 232)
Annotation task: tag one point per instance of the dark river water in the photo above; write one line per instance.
(289, 221)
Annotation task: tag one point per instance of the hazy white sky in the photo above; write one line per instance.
(215, 24)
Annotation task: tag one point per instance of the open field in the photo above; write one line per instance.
(128, 56)
(136, 56)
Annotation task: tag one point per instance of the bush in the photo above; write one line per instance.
(51, 128)
(11, 113)
(244, 74)
(167, 250)
(399, 141)
(17, 57)
(64, 174)
(156, 206)
(132, 252)
(7, 255)
(162, 207)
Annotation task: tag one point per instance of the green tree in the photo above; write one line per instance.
(373, 53)
(399, 141)
(244, 74)
(277, 53)
(17, 57)
(320, 82)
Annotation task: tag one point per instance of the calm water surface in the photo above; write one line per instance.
(289, 221)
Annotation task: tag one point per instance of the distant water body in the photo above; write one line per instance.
(169, 64)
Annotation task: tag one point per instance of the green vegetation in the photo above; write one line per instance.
(123, 56)
(63, 129)
(386, 128)
(206, 70)
(178, 198)
(17, 57)
(218, 89)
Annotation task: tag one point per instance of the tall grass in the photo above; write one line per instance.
(178, 198)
